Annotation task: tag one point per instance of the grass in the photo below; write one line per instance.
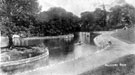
(127, 69)
(125, 35)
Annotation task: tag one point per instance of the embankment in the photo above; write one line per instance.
(32, 41)
(22, 65)
(121, 66)
(127, 35)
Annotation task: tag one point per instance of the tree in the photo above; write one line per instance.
(95, 21)
(15, 13)
(100, 19)
(57, 21)
(88, 20)
(121, 16)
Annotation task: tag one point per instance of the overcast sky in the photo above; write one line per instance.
(78, 6)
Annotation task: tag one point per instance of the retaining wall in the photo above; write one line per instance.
(84, 37)
(25, 64)
(37, 40)
(100, 41)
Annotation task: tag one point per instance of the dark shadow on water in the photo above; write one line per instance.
(59, 47)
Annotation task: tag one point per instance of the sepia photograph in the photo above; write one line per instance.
(67, 37)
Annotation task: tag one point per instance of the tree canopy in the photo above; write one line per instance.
(100, 19)
(57, 21)
(16, 14)
(25, 16)
(122, 15)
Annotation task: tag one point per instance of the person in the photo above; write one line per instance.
(22, 40)
(110, 43)
(10, 45)
(125, 28)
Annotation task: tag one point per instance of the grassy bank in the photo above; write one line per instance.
(125, 35)
(122, 66)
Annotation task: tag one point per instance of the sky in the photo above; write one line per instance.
(78, 6)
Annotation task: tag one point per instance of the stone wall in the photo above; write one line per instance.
(25, 64)
(84, 37)
(101, 42)
(37, 40)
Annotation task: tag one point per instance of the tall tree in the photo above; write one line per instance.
(121, 16)
(100, 18)
(88, 20)
(14, 11)
(57, 21)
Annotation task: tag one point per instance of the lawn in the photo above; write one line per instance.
(127, 36)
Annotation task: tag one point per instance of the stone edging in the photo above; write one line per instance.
(23, 61)
(52, 37)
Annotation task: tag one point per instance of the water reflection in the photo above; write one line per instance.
(62, 50)
(59, 49)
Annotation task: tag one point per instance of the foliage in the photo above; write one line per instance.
(57, 21)
(94, 21)
(23, 16)
(100, 19)
(88, 20)
(16, 14)
(122, 15)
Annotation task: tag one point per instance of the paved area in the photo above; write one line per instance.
(87, 62)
